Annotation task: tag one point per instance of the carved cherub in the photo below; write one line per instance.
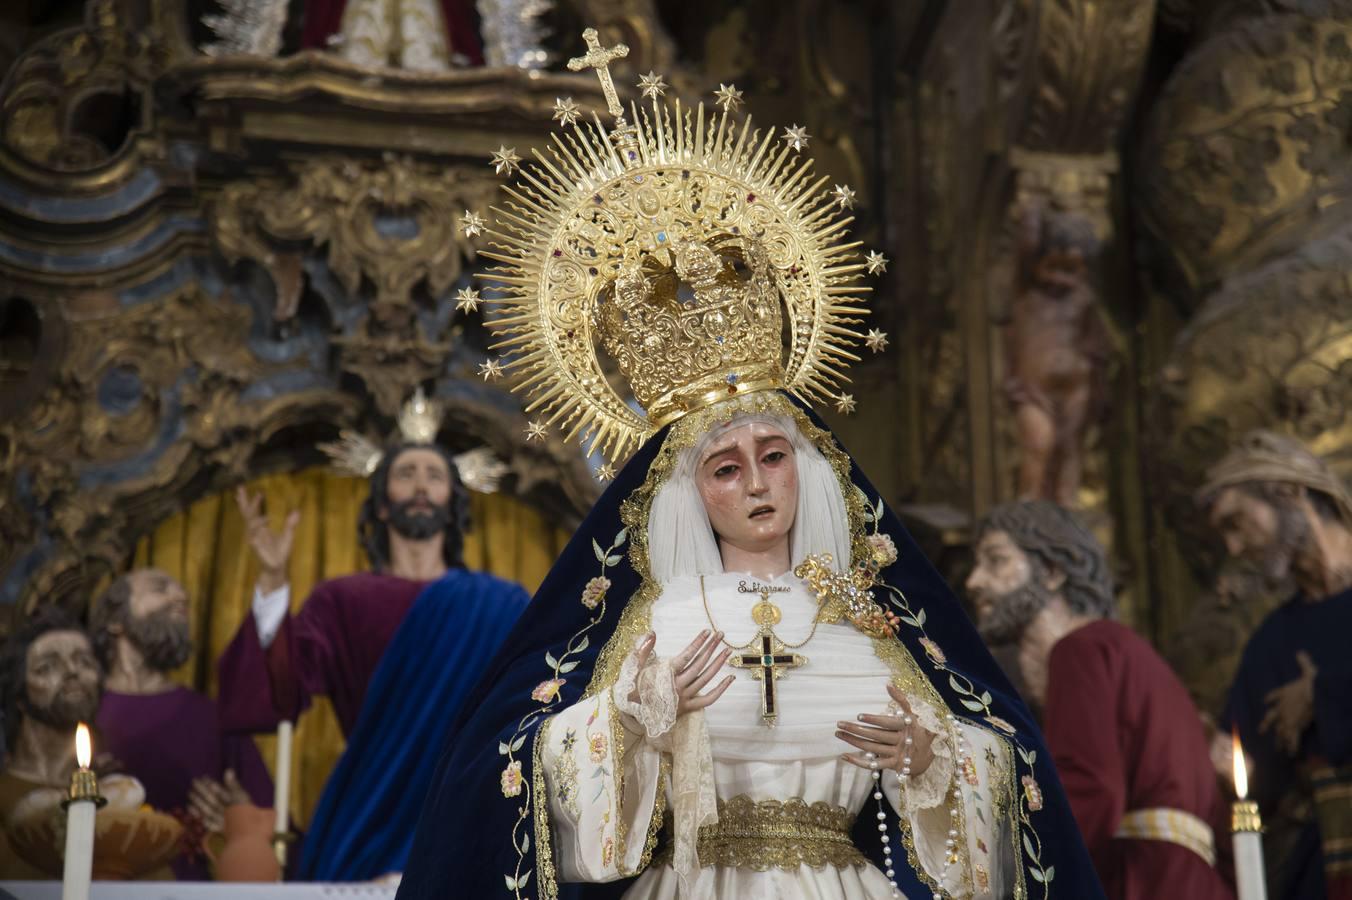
(1058, 350)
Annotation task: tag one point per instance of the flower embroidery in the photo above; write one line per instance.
(569, 740)
(546, 691)
(1000, 724)
(598, 746)
(511, 779)
(981, 845)
(983, 879)
(1032, 793)
(969, 771)
(595, 592)
(934, 651)
(607, 851)
(884, 550)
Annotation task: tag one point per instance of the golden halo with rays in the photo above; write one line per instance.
(596, 198)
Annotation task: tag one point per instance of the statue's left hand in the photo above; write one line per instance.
(898, 742)
(1291, 707)
(208, 798)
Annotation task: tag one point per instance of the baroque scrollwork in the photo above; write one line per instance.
(394, 223)
(1246, 154)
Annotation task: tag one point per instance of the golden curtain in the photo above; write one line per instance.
(204, 547)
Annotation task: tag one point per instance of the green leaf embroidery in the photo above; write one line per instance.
(521, 882)
(511, 882)
(1050, 872)
(503, 750)
(568, 667)
(550, 660)
(1028, 847)
(1037, 876)
(582, 644)
(973, 705)
(516, 744)
(600, 554)
(614, 560)
(920, 618)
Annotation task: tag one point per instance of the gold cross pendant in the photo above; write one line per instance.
(767, 666)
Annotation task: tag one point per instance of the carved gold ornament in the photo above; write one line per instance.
(685, 245)
(419, 421)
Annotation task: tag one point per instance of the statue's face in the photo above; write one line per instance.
(748, 480)
(1004, 588)
(1258, 531)
(155, 593)
(419, 481)
(157, 620)
(62, 679)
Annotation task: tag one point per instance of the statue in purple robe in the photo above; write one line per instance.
(166, 735)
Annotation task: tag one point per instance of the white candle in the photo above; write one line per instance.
(83, 801)
(281, 798)
(1247, 827)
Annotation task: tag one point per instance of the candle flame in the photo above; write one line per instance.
(83, 751)
(1241, 772)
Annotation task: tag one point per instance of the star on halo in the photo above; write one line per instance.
(845, 403)
(566, 111)
(604, 472)
(877, 263)
(797, 137)
(467, 300)
(876, 340)
(505, 160)
(490, 370)
(844, 196)
(536, 431)
(652, 85)
(472, 223)
(728, 97)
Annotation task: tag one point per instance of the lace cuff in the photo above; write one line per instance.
(655, 711)
(694, 799)
(928, 789)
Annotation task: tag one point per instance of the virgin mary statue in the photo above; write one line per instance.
(741, 679)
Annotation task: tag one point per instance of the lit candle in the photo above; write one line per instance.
(80, 804)
(1247, 827)
(281, 798)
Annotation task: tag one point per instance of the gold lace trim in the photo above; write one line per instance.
(774, 834)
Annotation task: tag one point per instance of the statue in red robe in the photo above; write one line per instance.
(1127, 740)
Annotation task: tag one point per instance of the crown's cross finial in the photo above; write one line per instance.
(600, 58)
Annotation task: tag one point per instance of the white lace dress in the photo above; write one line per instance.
(602, 776)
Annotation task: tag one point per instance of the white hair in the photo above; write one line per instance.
(681, 540)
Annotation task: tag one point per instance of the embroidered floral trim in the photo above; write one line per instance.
(884, 550)
(546, 691)
(511, 779)
(1030, 801)
(1032, 794)
(548, 694)
(595, 592)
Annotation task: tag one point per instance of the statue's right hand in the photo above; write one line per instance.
(694, 667)
(273, 549)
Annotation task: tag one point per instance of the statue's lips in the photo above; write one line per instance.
(761, 512)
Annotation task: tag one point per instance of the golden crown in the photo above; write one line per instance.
(680, 246)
